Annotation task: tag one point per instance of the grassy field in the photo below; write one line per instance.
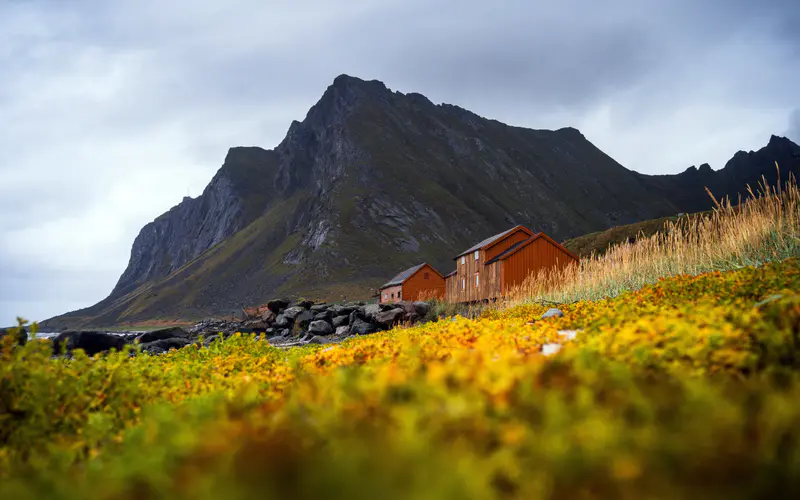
(685, 385)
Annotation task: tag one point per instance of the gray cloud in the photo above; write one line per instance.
(113, 111)
(793, 132)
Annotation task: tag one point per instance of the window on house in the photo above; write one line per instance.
(385, 296)
(425, 276)
(477, 283)
(392, 294)
(477, 253)
(398, 295)
(463, 283)
(463, 260)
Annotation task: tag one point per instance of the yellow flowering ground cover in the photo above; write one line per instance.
(688, 388)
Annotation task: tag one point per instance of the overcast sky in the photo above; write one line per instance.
(112, 111)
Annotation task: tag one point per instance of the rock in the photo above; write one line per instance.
(319, 307)
(341, 310)
(320, 327)
(316, 339)
(553, 313)
(270, 332)
(164, 333)
(323, 315)
(389, 318)
(342, 331)
(550, 349)
(277, 305)
(268, 317)
(160, 346)
(305, 304)
(422, 308)
(21, 336)
(210, 339)
(282, 322)
(340, 321)
(293, 312)
(304, 319)
(370, 311)
(412, 318)
(91, 342)
(361, 327)
(285, 333)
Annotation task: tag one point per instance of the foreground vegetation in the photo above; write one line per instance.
(685, 389)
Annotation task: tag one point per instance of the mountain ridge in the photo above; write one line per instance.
(372, 181)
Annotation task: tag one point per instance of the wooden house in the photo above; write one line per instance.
(489, 269)
(420, 282)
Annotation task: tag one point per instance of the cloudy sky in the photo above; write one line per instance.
(111, 112)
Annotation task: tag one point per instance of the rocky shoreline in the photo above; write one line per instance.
(280, 322)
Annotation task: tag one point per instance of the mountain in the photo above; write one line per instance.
(373, 181)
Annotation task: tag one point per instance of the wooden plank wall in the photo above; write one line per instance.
(539, 254)
(418, 286)
(451, 289)
(467, 272)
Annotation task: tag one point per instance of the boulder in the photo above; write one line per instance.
(91, 342)
(285, 333)
(293, 312)
(320, 327)
(421, 308)
(323, 315)
(304, 319)
(210, 339)
(553, 313)
(21, 336)
(389, 318)
(319, 307)
(370, 311)
(164, 333)
(160, 346)
(316, 339)
(305, 304)
(268, 317)
(361, 327)
(277, 305)
(282, 321)
(342, 331)
(341, 310)
(340, 321)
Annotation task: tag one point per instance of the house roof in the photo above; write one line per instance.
(450, 273)
(403, 276)
(519, 245)
(488, 241)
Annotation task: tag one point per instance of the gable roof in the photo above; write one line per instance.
(451, 273)
(519, 245)
(403, 276)
(492, 239)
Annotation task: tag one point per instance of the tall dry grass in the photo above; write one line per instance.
(762, 227)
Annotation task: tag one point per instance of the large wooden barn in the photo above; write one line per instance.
(489, 269)
(421, 282)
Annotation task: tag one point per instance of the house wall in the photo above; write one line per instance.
(424, 284)
(389, 294)
(504, 244)
(451, 289)
(540, 253)
(492, 286)
(466, 272)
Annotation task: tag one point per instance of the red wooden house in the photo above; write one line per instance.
(490, 268)
(420, 282)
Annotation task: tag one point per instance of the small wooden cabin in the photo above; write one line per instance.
(415, 283)
(489, 269)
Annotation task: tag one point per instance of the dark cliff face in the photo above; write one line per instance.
(373, 181)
